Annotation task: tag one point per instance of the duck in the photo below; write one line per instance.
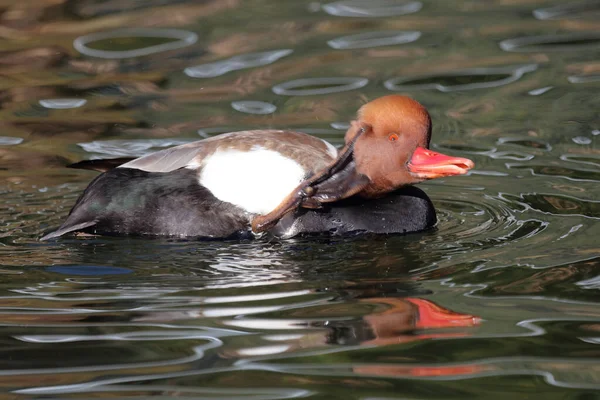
(284, 183)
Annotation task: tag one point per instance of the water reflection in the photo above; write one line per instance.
(584, 79)
(210, 132)
(540, 91)
(576, 9)
(88, 9)
(531, 143)
(470, 79)
(135, 41)
(314, 86)
(582, 140)
(92, 309)
(564, 42)
(371, 8)
(342, 126)
(559, 171)
(499, 299)
(62, 104)
(559, 204)
(254, 107)
(88, 270)
(374, 39)
(251, 60)
(130, 148)
(10, 141)
(583, 159)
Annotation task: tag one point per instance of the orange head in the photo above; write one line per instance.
(393, 149)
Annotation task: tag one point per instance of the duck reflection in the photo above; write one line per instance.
(392, 322)
(403, 320)
(263, 301)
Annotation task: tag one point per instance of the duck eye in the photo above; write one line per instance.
(393, 137)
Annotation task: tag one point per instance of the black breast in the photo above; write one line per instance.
(403, 211)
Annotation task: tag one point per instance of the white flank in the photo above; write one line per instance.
(331, 150)
(256, 180)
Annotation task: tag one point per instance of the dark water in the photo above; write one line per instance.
(499, 301)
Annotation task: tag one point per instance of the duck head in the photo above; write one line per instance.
(391, 146)
(387, 147)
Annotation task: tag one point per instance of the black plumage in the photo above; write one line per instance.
(126, 201)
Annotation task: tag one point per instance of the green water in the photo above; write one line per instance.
(499, 301)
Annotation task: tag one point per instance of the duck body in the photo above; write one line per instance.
(242, 184)
(162, 194)
(127, 201)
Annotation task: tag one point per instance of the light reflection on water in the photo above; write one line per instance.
(501, 297)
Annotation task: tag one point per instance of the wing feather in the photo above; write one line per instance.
(310, 151)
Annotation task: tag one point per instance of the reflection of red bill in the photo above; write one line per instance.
(433, 316)
(425, 371)
(450, 370)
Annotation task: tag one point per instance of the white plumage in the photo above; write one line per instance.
(256, 180)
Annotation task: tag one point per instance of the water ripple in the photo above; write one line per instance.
(499, 299)
(561, 42)
(254, 107)
(62, 104)
(176, 39)
(316, 86)
(242, 61)
(531, 143)
(540, 91)
(568, 10)
(584, 140)
(467, 219)
(372, 8)
(584, 78)
(10, 141)
(374, 39)
(468, 79)
(128, 147)
(559, 171)
(589, 159)
(557, 204)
